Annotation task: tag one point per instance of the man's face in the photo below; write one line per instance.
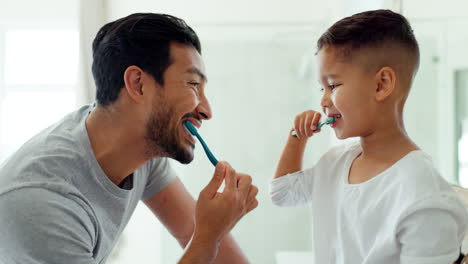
(347, 93)
(181, 98)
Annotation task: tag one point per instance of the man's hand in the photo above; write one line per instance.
(216, 212)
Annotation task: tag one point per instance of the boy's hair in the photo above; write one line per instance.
(140, 39)
(384, 31)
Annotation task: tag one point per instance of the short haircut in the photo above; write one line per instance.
(141, 39)
(379, 30)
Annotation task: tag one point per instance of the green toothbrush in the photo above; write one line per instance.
(191, 128)
(329, 121)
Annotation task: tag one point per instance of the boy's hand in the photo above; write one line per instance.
(305, 123)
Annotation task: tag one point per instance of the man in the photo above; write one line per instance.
(67, 194)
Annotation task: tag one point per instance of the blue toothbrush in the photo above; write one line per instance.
(194, 132)
(329, 121)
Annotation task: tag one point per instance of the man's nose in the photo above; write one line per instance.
(204, 109)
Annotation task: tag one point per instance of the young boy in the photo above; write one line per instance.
(378, 200)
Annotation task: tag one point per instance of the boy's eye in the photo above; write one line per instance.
(321, 89)
(333, 86)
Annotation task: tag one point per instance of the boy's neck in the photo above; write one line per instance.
(387, 145)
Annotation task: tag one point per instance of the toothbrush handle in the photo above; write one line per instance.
(210, 155)
(320, 125)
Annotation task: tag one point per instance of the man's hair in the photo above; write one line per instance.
(141, 39)
(372, 29)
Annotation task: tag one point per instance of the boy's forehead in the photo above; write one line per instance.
(330, 63)
(334, 62)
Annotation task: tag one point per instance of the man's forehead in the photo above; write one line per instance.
(188, 58)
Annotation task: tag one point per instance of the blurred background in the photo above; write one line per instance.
(260, 61)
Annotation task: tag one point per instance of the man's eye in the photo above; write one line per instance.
(195, 84)
(333, 86)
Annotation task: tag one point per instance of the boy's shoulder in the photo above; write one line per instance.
(418, 171)
(418, 181)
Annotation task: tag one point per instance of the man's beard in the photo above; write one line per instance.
(162, 139)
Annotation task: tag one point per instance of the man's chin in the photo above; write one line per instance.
(184, 156)
(184, 160)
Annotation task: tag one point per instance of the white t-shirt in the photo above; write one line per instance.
(406, 214)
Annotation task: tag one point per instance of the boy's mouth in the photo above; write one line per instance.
(336, 116)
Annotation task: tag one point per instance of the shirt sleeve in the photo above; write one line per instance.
(297, 188)
(292, 189)
(161, 174)
(432, 231)
(41, 226)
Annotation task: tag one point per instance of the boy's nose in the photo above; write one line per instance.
(326, 102)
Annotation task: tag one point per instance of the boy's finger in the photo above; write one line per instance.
(301, 127)
(296, 125)
(310, 125)
(307, 121)
(315, 121)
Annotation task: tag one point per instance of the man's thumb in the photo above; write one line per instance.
(212, 188)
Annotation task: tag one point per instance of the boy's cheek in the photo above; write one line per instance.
(334, 99)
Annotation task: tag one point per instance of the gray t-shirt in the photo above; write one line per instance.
(56, 203)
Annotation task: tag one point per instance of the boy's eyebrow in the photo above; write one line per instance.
(328, 76)
(331, 75)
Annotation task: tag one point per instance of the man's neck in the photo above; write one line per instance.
(117, 143)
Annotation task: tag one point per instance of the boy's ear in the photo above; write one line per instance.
(133, 76)
(386, 82)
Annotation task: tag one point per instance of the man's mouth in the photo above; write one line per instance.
(190, 137)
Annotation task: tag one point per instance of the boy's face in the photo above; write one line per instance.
(347, 93)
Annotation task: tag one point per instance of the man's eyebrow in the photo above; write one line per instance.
(198, 72)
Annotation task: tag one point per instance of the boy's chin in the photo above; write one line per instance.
(341, 136)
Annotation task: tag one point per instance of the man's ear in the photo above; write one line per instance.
(386, 82)
(133, 83)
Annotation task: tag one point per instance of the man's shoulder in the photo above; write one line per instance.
(50, 156)
(65, 134)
